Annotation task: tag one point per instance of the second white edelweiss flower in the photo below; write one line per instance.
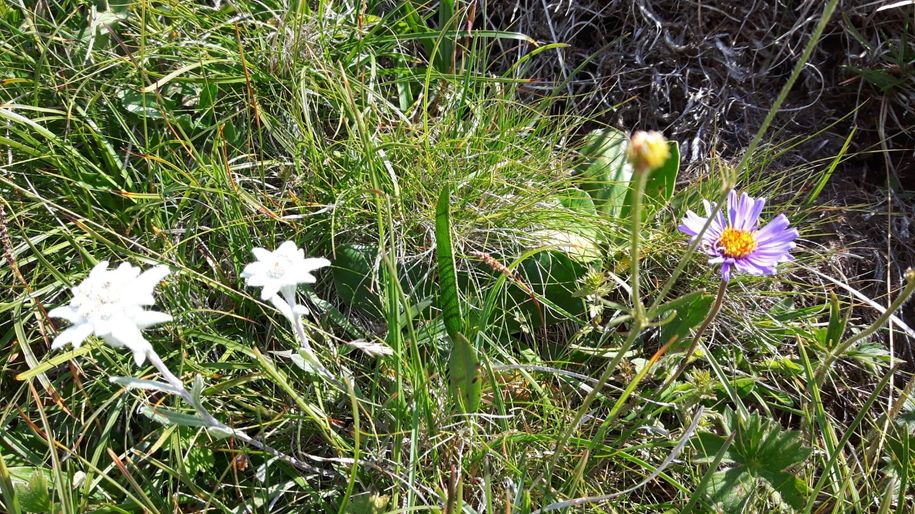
(111, 304)
(279, 272)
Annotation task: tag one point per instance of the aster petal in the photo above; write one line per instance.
(65, 312)
(725, 271)
(733, 202)
(145, 319)
(262, 254)
(691, 224)
(753, 211)
(75, 335)
(775, 229)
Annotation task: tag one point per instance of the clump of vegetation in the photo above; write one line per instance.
(360, 271)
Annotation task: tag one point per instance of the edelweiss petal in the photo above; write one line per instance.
(734, 240)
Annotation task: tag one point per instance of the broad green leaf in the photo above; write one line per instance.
(577, 200)
(30, 488)
(464, 375)
(449, 300)
(368, 503)
(8, 490)
(34, 496)
(603, 171)
(354, 277)
(659, 188)
(463, 364)
(143, 105)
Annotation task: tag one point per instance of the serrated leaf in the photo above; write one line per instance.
(729, 489)
(790, 489)
(765, 445)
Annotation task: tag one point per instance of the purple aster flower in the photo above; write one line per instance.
(733, 240)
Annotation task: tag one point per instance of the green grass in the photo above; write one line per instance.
(187, 135)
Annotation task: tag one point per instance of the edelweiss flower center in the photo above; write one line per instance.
(101, 300)
(279, 268)
(736, 243)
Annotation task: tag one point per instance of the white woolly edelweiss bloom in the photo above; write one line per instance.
(110, 304)
(280, 272)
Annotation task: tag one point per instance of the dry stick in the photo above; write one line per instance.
(716, 307)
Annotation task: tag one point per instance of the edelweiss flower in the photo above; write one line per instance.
(280, 271)
(733, 240)
(110, 304)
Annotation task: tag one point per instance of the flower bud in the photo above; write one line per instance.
(647, 150)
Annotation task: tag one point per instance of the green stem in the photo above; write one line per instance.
(638, 308)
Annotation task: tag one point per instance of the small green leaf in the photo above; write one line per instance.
(577, 200)
(687, 316)
(354, 277)
(140, 104)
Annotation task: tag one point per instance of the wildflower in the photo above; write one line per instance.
(647, 150)
(110, 304)
(280, 271)
(733, 240)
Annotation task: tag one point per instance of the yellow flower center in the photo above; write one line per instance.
(736, 243)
